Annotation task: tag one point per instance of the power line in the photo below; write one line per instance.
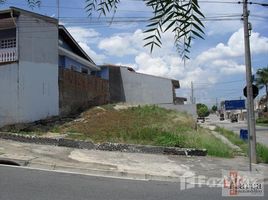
(224, 82)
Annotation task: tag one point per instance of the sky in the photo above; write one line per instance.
(216, 66)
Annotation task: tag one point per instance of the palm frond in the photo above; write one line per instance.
(181, 17)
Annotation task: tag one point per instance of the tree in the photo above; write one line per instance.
(31, 3)
(182, 17)
(261, 81)
(202, 110)
(214, 108)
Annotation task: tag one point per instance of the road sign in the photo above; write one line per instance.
(234, 104)
(255, 91)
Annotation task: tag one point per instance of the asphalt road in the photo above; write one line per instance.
(261, 131)
(27, 184)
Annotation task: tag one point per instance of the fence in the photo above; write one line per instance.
(79, 91)
(8, 55)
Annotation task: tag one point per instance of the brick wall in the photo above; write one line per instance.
(79, 91)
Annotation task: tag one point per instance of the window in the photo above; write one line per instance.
(74, 68)
(8, 43)
(84, 71)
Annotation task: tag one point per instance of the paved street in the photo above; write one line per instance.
(261, 131)
(24, 184)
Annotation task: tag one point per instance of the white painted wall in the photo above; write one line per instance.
(29, 88)
(38, 91)
(8, 93)
(27, 97)
(146, 89)
(188, 108)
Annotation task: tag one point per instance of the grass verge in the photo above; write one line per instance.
(262, 150)
(262, 121)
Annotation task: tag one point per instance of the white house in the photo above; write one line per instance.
(32, 48)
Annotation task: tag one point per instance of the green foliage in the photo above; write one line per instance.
(263, 120)
(147, 125)
(31, 3)
(261, 78)
(214, 108)
(202, 110)
(182, 17)
(261, 150)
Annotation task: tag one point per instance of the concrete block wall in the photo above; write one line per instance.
(146, 89)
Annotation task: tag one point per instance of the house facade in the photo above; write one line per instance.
(44, 72)
(28, 66)
(42, 69)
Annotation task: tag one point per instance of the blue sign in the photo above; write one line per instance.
(234, 104)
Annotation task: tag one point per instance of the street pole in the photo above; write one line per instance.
(192, 92)
(250, 101)
(58, 9)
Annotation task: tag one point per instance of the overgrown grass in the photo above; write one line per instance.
(147, 125)
(262, 151)
(262, 121)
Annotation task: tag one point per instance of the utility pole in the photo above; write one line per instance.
(192, 92)
(250, 101)
(58, 7)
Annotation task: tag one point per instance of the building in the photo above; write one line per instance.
(44, 72)
(262, 104)
(233, 107)
(42, 69)
(126, 85)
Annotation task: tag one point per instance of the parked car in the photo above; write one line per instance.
(234, 118)
(201, 119)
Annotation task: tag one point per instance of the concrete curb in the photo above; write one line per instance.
(94, 171)
(112, 173)
(129, 148)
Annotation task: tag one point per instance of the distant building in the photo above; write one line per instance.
(262, 104)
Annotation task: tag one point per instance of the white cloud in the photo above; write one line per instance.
(87, 37)
(97, 58)
(211, 65)
(149, 65)
(228, 67)
(117, 46)
(234, 47)
(122, 44)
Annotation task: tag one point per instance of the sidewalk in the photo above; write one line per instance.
(120, 164)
